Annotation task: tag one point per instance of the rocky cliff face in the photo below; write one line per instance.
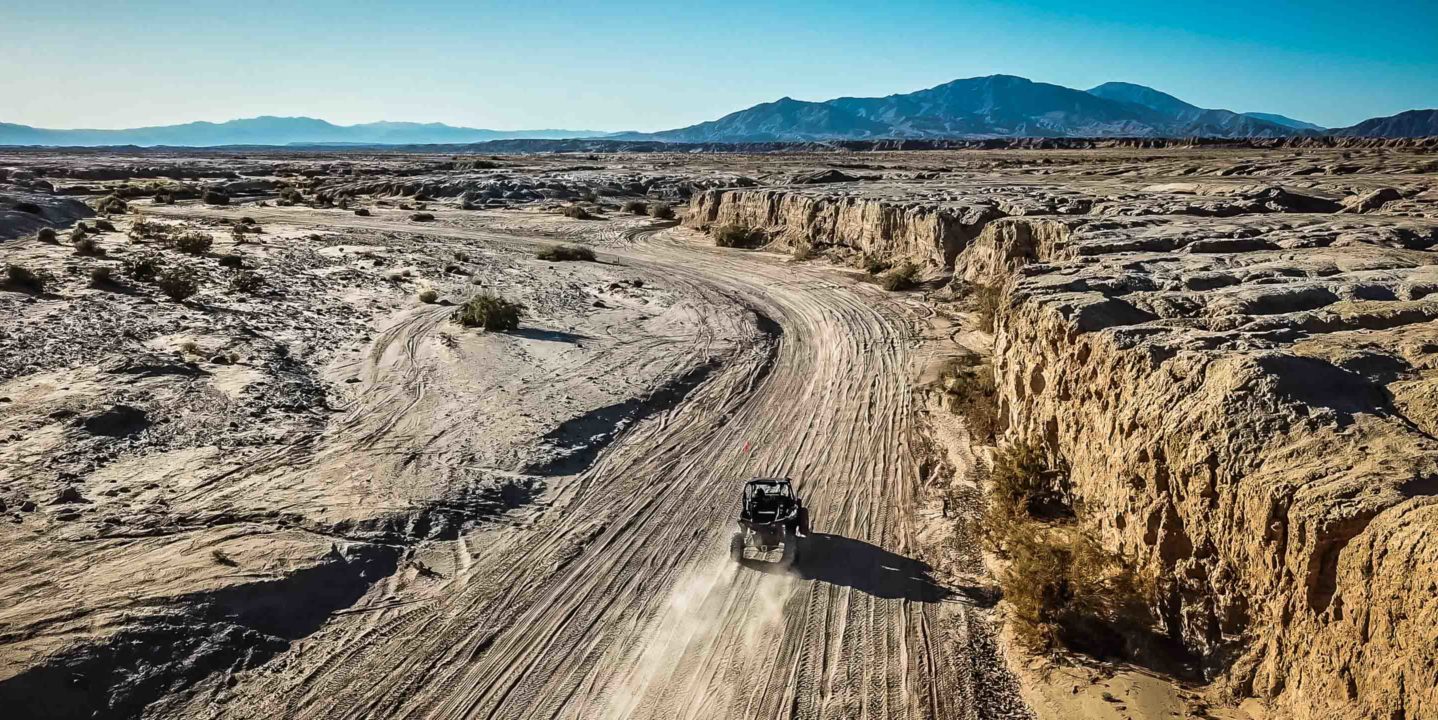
(1246, 406)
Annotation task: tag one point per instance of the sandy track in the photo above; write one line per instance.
(618, 600)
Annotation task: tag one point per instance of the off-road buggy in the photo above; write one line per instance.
(771, 517)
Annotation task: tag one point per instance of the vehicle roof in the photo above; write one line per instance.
(768, 481)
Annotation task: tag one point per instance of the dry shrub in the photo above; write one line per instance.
(103, 225)
(873, 264)
(194, 242)
(903, 277)
(661, 211)
(738, 236)
(143, 229)
(47, 235)
(142, 266)
(422, 217)
(178, 283)
(87, 247)
(490, 312)
(560, 253)
(802, 252)
(362, 212)
(111, 204)
(969, 390)
(247, 282)
(986, 301)
(102, 276)
(214, 197)
(20, 277)
(577, 212)
(1064, 588)
(428, 296)
(636, 207)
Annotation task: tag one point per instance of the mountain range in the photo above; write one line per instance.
(268, 130)
(1003, 106)
(1007, 106)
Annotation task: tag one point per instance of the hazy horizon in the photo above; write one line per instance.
(649, 66)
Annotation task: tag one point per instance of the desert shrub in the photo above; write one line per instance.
(232, 261)
(111, 204)
(873, 264)
(194, 242)
(802, 252)
(559, 253)
(247, 220)
(577, 212)
(986, 301)
(635, 207)
(588, 195)
(86, 246)
(1022, 483)
(428, 296)
(101, 276)
(422, 217)
(969, 391)
(290, 196)
(362, 212)
(903, 277)
(661, 211)
(80, 231)
(143, 266)
(246, 281)
(214, 197)
(178, 283)
(461, 256)
(47, 235)
(738, 236)
(490, 312)
(1065, 590)
(143, 229)
(22, 278)
(103, 225)
(164, 198)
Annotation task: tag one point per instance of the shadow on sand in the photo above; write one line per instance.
(548, 335)
(870, 569)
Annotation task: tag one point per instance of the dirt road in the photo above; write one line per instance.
(614, 598)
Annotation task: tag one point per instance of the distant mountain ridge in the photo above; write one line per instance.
(270, 130)
(1412, 123)
(991, 106)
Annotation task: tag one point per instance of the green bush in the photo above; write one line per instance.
(178, 283)
(738, 236)
(490, 312)
(559, 253)
(661, 211)
(903, 277)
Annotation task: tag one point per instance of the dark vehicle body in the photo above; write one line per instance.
(771, 517)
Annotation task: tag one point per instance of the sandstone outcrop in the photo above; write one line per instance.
(1244, 392)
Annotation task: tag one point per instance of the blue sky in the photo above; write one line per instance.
(657, 65)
